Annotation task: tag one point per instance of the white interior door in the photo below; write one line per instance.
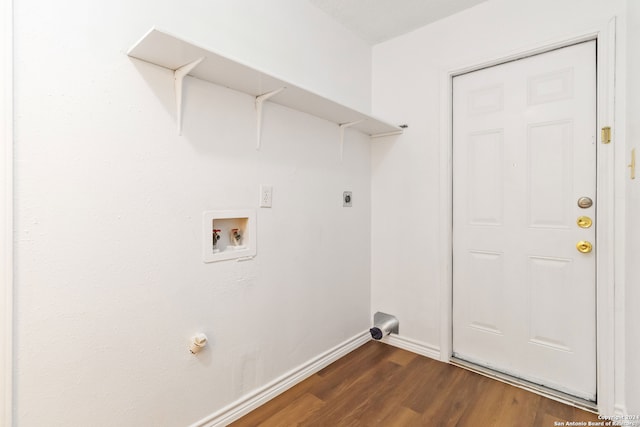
(524, 152)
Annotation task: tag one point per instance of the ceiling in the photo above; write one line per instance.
(378, 20)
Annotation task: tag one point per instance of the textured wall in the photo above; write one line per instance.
(110, 283)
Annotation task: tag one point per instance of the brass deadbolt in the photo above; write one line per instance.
(584, 222)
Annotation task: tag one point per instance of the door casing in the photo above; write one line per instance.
(608, 207)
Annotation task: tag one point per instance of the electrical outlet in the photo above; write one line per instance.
(266, 196)
(347, 199)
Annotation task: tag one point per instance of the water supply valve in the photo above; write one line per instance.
(216, 237)
(236, 237)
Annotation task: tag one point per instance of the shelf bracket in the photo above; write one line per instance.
(343, 126)
(178, 76)
(259, 101)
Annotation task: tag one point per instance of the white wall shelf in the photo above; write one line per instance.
(185, 58)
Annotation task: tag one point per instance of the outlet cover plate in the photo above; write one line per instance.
(347, 199)
(266, 196)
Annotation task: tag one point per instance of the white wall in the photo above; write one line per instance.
(6, 209)
(633, 210)
(110, 283)
(408, 72)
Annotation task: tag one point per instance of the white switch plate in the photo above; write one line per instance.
(266, 196)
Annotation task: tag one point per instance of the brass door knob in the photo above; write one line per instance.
(584, 246)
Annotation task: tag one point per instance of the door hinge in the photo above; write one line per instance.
(605, 135)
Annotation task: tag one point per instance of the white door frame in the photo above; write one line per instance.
(6, 212)
(608, 205)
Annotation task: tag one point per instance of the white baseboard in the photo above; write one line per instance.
(414, 346)
(619, 410)
(248, 403)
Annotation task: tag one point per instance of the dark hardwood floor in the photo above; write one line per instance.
(380, 385)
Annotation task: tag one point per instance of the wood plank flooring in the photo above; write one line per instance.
(380, 385)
